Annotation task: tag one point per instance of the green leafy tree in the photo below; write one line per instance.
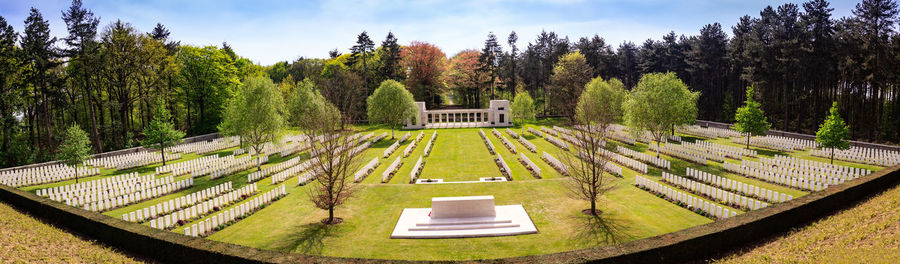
(570, 75)
(391, 104)
(658, 102)
(75, 148)
(522, 109)
(833, 133)
(600, 104)
(749, 119)
(161, 133)
(260, 106)
(206, 79)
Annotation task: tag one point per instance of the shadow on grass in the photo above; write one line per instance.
(603, 229)
(307, 239)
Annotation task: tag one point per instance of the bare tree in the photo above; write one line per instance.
(586, 166)
(336, 158)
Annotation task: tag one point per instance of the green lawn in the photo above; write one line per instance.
(292, 223)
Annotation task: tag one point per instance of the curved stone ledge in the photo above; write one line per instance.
(694, 243)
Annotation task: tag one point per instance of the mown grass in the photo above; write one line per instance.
(24, 239)
(292, 224)
(866, 233)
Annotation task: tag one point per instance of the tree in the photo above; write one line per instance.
(82, 52)
(586, 166)
(362, 51)
(75, 148)
(522, 109)
(160, 133)
(600, 104)
(749, 119)
(570, 75)
(10, 93)
(390, 60)
(833, 133)
(40, 56)
(659, 102)
(343, 88)
(206, 79)
(490, 60)
(259, 103)
(391, 104)
(424, 64)
(464, 79)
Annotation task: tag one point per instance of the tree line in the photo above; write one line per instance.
(108, 80)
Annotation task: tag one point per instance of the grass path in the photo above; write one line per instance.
(866, 233)
(24, 239)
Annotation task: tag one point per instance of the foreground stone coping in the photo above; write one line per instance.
(510, 220)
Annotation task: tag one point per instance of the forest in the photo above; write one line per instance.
(108, 77)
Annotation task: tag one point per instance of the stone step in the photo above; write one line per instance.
(458, 221)
(462, 227)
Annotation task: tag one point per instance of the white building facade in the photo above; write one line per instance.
(497, 115)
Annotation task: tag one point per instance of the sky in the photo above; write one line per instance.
(268, 31)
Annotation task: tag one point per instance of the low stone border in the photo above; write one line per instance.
(695, 243)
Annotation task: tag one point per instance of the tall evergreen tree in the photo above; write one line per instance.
(707, 63)
(490, 60)
(628, 64)
(83, 51)
(40, 56)
(10, 93)
(362, 52)
(390, 60)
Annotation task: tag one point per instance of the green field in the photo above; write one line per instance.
(292, 223)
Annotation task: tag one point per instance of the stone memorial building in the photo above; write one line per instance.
(497, 115)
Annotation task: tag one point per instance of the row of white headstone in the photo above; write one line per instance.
(245, 209)
(487, 142)
(390, 150)
(680, 152)
(556, 142)
(720, 195)
(138, 195)
(621, 136)
(417, 170)
(562, 130)
(379, 137)
(230, 166)
(294, 170)
(550, 131)
(108, 184)
(531, 147)
(675, 138)
(85, 196)
(44, 174)
(729, 151)
(366, 170)
(130, 160)
(196, 167)
(653, 160)
(404, 138)
(430, 143)
(204, 147)
(704, 150)
(535, 170)
(512, 133)
(880, 157)
(412, 145)
(708, 132)
(692, 202)
(504, 168)
(828, 169)
(203, 208)
(535, 132)
(787, 171)
(292, 148)
(169, 206)
(257, 175)
(773, 178)
(620, 159)
(608, 166)
(739, 187)
(509, 145)
(391, 170)
(555, 163)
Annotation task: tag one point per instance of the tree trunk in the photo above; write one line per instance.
(594, 206)
(98, 146)
(76, 174)
(657, 148)
(258, 161)
(832, 155)
(162, 152)
(330, 214)
(748, 141)
(392, 131)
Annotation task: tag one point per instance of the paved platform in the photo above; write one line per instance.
(510, 220)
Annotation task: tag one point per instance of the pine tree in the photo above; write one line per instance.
(362, 51)
(749, 119)
(833, 133)
(490, 60)
(390, 60)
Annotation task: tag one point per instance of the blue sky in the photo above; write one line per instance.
(271, 31)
